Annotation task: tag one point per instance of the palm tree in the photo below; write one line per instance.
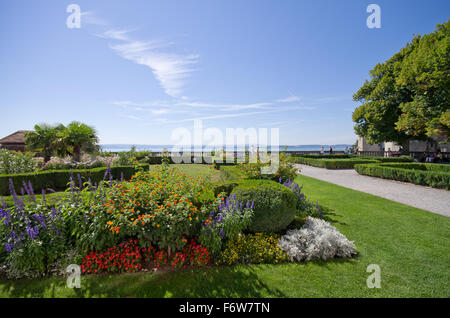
(44, 138)
(78, 137)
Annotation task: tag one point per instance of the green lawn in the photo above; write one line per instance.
(410, 245)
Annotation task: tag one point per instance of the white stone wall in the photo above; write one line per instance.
(414, 146)
(364, 146)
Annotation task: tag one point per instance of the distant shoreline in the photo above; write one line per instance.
(159, 148)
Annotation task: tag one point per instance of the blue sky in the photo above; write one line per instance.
(136, 70)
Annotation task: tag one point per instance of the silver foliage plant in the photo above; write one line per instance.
(316, 239)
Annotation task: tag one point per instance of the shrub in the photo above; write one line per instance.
(433, 175)
(12, 162)
(256, 248)
(224, 187)
(286, 169)
(86, 162)
(317, 239)
(274, 205)
(127, 157)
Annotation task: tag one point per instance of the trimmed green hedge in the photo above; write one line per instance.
(157, 160)
(338, 156)
(345, 161)
(419, 166)
(59, 179)
(332, 163)
(389, 159)
(274, 204)
(433, 175)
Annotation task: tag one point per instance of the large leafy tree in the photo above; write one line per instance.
(407, 97)
(44, 138)
(78, 137)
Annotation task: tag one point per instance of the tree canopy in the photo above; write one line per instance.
(45, 139)
(61, 140)
(78, 137)
(407, 96)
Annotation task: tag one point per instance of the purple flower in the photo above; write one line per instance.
(32, 232)
(4, 213)
(40, 219)
(79, 181)
(71, 181)
(9, 247)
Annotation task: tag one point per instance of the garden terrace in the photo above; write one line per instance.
(409, 244)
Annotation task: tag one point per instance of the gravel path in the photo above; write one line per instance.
(425, 198)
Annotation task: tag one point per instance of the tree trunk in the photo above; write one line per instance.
(77, 153)
(47, 157)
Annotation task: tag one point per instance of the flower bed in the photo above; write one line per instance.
(158, 218)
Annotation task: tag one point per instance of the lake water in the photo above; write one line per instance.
(160, 148)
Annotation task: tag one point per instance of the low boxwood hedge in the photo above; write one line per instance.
(332, 163)
(345, 161)
(157, 160)
(337, 156)
(433, 175)
(419, 166)
(274, 204)
(389, 159)
(59, 179)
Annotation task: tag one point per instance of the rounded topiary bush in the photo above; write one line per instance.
(274, 204)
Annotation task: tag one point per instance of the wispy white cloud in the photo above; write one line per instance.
(115, 34)
(128, 116)
(226, 107)
(289, 99)
(223, 116)
(170, 70)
